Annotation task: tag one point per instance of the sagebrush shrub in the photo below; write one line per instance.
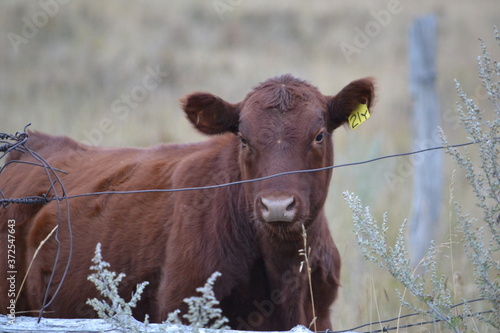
(203, 311)
(481, 236)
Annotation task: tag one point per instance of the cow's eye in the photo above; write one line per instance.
(319, 138)
(243, 142)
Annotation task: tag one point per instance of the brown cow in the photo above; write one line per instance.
(250, 232)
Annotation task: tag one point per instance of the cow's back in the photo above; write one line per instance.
(133, 228)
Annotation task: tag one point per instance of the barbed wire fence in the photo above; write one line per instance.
(17, 142)
(415, 314)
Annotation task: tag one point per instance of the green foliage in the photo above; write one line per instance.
(203, 311)
(481, 237)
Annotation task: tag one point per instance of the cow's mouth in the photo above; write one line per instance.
(284, 230)
(280, 224)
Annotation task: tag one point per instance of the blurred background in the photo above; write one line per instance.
(111, 73)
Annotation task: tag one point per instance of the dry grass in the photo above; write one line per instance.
(67, 77)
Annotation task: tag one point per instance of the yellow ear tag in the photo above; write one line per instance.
(358, 116)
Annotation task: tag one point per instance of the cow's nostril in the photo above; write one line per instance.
(280, 209)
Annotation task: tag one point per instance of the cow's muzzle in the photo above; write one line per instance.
(277, 208)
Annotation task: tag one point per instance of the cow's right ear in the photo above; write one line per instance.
(211, 114)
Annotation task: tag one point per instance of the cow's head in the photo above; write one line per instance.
(284, 124)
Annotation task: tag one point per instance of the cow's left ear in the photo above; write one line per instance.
(348, 99)
(211, 114)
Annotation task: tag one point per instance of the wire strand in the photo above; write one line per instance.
(4, 202)
(407, 316)
(208, 187)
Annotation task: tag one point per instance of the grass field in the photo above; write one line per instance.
(111, 73)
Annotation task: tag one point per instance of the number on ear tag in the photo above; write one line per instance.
(358, 116)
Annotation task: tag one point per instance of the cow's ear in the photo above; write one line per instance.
(211, 114)
(348, 99)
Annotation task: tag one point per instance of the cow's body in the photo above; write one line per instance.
(251, 233)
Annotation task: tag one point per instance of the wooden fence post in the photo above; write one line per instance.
(54, 325)
(428, 167)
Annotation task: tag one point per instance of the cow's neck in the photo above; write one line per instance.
(282, 255)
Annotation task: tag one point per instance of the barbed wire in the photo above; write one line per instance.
(50, 171)
(19, 139)
(17, 142)
(421, 323)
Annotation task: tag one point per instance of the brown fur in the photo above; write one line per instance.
(177, 240)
